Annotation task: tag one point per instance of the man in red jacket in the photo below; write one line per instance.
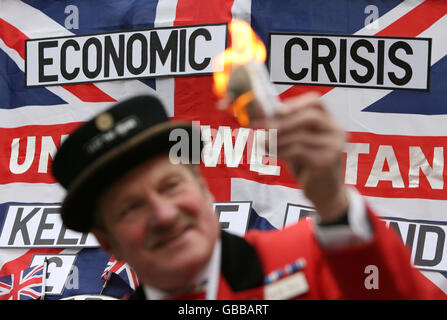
(158, 216)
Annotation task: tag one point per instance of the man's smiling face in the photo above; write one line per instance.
(159, 218)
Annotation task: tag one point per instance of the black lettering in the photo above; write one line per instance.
(85, 57)
(117, 57)
(342, 71)
(192, 49)
(45, 226)
(400, 63)
(225, 208)
(46, 61)
(304, 213)
(182, 51)
(380, 61)
(410, 234)
(423, 230)
(362, 61)
(56, 260)
(324, 61)
(20, 225)
(83, 238)
(288, 59)
(137, 37)
(67, 75)
(163, 53)
(395, 226)
(61, 240)
(53, 260)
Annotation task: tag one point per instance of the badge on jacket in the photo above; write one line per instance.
(287, 282)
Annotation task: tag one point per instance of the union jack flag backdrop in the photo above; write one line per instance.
(120, 267)
(23, 284)
(395, 155)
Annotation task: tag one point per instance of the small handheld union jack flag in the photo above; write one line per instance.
(123, 270)
(25, 284)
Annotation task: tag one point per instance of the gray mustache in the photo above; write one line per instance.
(158, 236)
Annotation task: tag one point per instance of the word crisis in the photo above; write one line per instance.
(350, 61)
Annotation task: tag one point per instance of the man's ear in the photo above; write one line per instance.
(103, 240)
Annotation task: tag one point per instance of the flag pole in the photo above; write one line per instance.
(44, 279)
(106, 282)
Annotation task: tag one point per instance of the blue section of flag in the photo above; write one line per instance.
(258, 222)
(3, 211)
(33, 290)
(13, 93)
(5, 286)
(100, 15)
(416, 102)
(90, 264)
(117, 287)
(313, 16)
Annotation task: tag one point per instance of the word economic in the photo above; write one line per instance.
(123, 55)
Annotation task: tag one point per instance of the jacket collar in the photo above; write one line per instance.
(240, 264)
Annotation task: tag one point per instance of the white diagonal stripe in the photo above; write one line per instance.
(346, 103)
(241, 10)
(50, 115)
(31, 192)
(25, 18)
(165, 17)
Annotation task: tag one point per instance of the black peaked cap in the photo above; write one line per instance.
(103, 149)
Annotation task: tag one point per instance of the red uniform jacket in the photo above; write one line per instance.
(329, 273)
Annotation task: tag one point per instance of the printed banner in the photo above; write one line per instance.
(123, 55)
(379, 66)
(349, 61)
(39, 226)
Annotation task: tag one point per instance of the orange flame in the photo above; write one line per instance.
(246, 46)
